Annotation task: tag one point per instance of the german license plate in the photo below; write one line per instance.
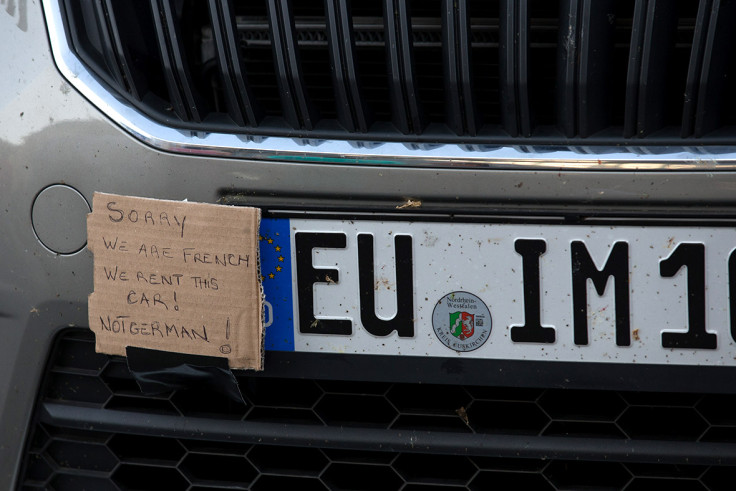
(626, 294)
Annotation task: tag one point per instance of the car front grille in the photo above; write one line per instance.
(645, 72)
(94, 429)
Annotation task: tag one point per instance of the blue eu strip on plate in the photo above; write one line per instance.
(277, 284)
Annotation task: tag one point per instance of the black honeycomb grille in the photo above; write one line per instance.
(464, 71)
(77, 459)
(95, 430)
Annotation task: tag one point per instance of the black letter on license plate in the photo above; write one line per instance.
(583, 267)
(307, 275)
(732, 291)
(532, 331)
(403, 321)
(692, 256)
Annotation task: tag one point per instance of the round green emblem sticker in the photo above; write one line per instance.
(461, 321)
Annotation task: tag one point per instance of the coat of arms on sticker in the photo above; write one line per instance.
(461, 325)
(461, 321)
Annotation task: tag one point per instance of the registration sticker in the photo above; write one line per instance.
(461, 321)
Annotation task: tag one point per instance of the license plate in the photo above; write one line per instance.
(626, 294)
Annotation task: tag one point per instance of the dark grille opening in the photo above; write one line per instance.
(255, 52)
(426, 26)
(211, 468)
(507, 417)
(484, 53)
(281, 482)
(288, 460)
(91, 453)
(199, 50)
(312, 41)
(593, 60)
(719, 479)
(662, 423)
(641, 484)
(676, 57)
(129, 476)
(285, 393)
(543, 34)
(370, 49)
(537, 71)
(723, 71)
(435, 469)
(409, 398)
(582, 405)
(618, 67)
(674, 471)
(361, 477)
(590, 475)
(94, 429)
(136, 449)
(355, 410)
(146, 68)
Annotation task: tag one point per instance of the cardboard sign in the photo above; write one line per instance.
(176, 276)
